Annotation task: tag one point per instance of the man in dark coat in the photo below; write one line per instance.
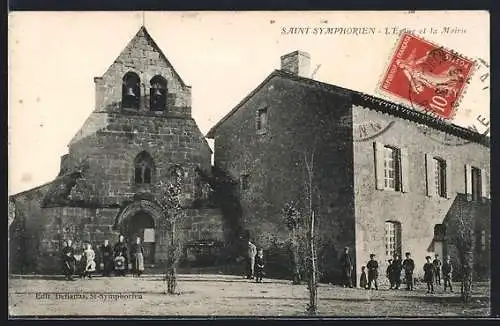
(120, 254)
(347, 267)
(68, 260)
(106, 258)
(397, 271)
(372, 267)
(409, 266)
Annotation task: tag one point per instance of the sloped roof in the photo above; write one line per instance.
(144, 32)
(363, 99)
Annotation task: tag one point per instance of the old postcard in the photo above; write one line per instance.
(332, 164)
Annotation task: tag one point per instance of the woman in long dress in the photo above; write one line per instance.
(120, 254)
(137, 252)
(68, 260)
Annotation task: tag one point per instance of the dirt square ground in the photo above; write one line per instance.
(224, 295)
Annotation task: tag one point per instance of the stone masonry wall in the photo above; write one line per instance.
(111, 153)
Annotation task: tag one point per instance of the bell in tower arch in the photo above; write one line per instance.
(158, 93)
(130, 91)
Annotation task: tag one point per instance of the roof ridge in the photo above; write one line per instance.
(382, 104)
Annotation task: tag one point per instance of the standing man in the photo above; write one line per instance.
(437, 269)
(68, 260)
(397, 271)
(372, 266)
(106, 258)
(251, 252)
(409, 266)
(347, 267)
(447, 273)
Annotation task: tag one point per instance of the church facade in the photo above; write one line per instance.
(141, 132)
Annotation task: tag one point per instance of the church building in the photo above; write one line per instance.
(140, 132)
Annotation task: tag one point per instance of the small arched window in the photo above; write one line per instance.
(144, 167)
(131, 90)
(158, 93)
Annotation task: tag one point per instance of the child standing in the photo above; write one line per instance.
(363, 281)
(447, 270)
(429, 274)
(259, 266)
(89, 260)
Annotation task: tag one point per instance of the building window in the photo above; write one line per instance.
(131, 90)
(143, 168)
(261, 120)
(476, 183)
(392, 168)
(440, 176)
(392, 239)
(439, 232)
(158, 93)
(244, 182)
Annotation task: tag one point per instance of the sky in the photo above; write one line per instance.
(54, 56)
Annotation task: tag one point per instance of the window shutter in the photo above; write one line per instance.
(430, 175)
(379, 165)
(405, 170)
(483, 184)
(468, 181)
(448, 187)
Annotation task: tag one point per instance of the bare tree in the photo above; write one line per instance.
(464, 240)
(312, 308)
(169, 194)
(293, 220)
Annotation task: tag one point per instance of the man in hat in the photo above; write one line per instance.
(372, 267)
(437, 269)
(409, 266)
(447, 270)
(347, 267)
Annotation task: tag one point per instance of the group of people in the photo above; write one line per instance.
(255, 263)
(111, 259)
(369, 279)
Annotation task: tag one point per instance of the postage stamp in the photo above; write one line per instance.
(426, 76)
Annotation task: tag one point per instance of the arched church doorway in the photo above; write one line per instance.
(141, 225)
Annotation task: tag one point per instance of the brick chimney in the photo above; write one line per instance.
(297, 62)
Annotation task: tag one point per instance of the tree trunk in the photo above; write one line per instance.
(295, 257)
(468, 266)
(171, 276)
(313, 290)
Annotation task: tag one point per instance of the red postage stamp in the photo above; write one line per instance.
(426, 76)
